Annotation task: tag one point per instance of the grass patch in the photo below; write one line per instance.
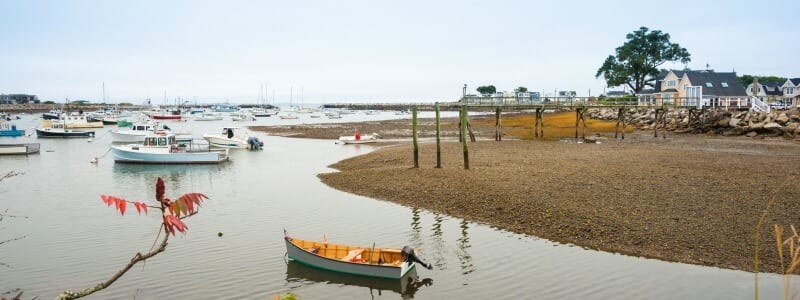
(557, 125)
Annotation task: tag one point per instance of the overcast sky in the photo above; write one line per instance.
(381, 51)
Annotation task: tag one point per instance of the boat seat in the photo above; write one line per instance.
(352, 254)
(314, 250)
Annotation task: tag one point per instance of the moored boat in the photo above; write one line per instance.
(7, 129)
(27, 148)
(373, 261)
(58, 130)
(136, 132)
(358, 138)
(165, 149)
(232, 137)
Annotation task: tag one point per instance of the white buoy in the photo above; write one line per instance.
(94, 160)
(90, 140)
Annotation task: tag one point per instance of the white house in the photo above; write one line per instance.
(791, 91)
(766, 89)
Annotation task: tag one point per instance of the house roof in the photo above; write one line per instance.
(712, 83)
(647, 91)
(670, 91)
(795, 81)
(617, 93)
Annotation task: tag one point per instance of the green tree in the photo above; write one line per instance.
(48, 102)
(521, 89)
(636, 62)
(486, 89)
(748, 79)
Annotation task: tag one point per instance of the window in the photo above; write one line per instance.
(708, 84)
(671, 83)
(790, 91)
(162, 141)
(724, 84)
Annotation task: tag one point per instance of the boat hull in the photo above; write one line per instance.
(299, 255)
(217, 141)
(126, 154)
(12, 132)
(127, 137)
(47, 133)
(11, 149)
(165, 117)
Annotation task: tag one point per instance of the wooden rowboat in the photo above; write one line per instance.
(389, 263)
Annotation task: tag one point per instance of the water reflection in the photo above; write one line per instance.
(438, 243)
(463, 255)
(407, 286)
(416, 228)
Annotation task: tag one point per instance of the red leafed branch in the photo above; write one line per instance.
(172, 212)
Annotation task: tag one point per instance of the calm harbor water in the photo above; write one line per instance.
(74, 241)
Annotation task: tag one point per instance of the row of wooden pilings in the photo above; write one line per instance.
(538, 128)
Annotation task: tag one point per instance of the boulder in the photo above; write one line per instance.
(752, 134)
(734, 122)
(783, 118)
(772, 125)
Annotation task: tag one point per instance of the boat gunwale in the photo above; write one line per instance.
(288, 240)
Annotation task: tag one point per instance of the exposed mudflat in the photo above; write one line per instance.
(691, 199)
(688, 198)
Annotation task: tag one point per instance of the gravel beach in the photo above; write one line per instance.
(688, 198)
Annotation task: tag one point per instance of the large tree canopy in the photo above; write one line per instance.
(636, 62)
(486, 89)
(748, 79)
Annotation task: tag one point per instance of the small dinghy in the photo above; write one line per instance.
(391, 263)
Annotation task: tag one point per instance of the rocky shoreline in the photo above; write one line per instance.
(752, 124)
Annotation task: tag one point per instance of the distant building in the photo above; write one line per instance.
(791, 91)
(80, 102)
(696, 88)
(18, 99)
(617, 94)
(567, 93)
(766, 89)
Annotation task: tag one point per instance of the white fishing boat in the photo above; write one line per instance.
(241, 116)
(233, 137)
(208, 116)
(288, 116)
(137, 132)
(358, 138)
(165, 149)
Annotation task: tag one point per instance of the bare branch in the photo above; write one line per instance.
(136, 258)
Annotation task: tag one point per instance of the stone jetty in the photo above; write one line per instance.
(728, 123)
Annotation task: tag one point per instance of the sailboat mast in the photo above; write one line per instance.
(290, 96)
(104, 92)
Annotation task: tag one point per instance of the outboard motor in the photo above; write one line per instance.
(255, 143)
(409, 256)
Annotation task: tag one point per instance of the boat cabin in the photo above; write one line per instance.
(162, 141)
(229, 131)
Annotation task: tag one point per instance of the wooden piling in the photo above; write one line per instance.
(620, 121)
(498, 135)
(464, 134)
(538, 123)
(438, 146)
(661, 117)
(580, 117)
(414, 135)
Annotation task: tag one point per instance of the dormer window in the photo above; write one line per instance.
(724, 84)
(708, 84)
